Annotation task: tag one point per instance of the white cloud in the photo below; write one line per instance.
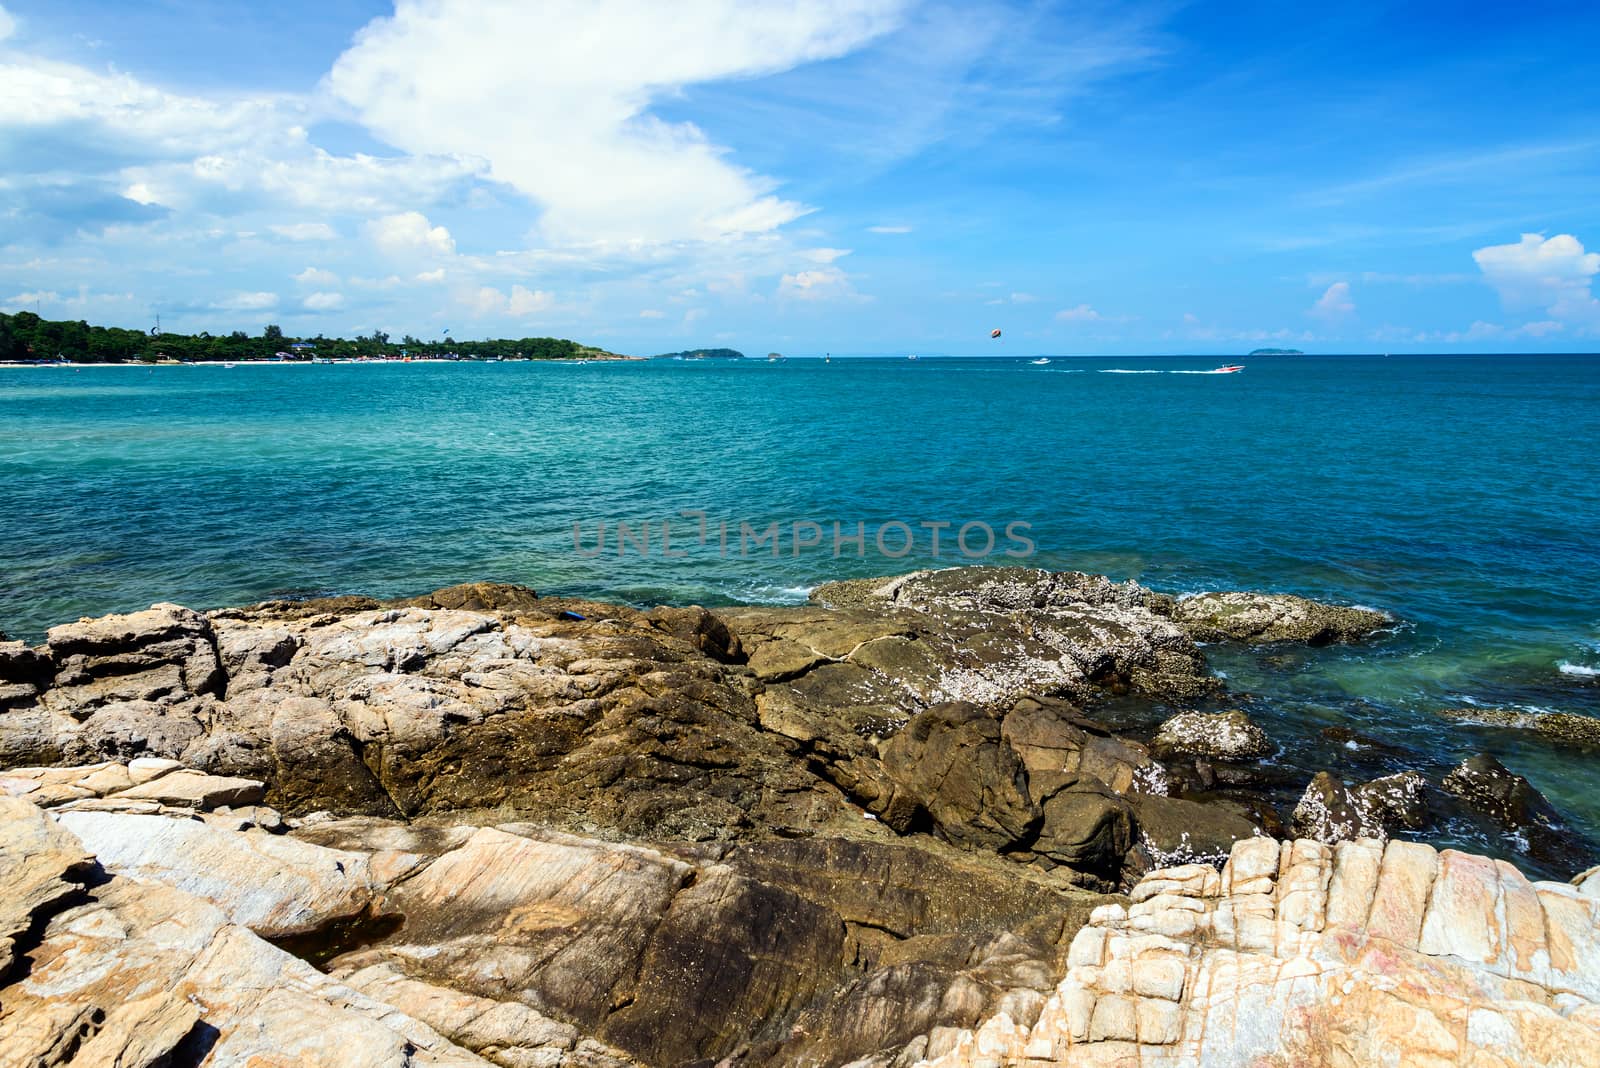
(1334, 303)
(410, 232)
(824, 283)
(1023, 298)
(1081, 314)
(320, 302)
(316, 276)
(432, 277)
(306, 232)
(524, 301)
(8, 25)
(1554, 275)
(248, 302)
(888, 229)
(521, 301)
(652, 313)
(572, 127)
(221, 154)
(825, 255)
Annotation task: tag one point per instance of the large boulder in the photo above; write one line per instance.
(952, 768)
(1224, 736)
(1330, 811)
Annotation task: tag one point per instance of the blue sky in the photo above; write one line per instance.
(839, 175)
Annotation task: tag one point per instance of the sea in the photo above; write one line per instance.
(1459, 493)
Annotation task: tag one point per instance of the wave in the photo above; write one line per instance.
(1125, 371)
(1567, 667)
(1217, 372)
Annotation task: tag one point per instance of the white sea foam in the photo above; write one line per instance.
(1126, 371)
(1566, 667)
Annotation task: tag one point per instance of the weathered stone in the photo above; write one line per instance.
(144, 769)
(1263, 617)
(1229, 736)
(196, 789)
(1478, 964)
(1329, 812)
(273, 885)
(145, 974)
(1510, 800)
(40, 866)
(953, 765)
(1564, 728)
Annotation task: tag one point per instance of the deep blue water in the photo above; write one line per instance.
(1460, 493)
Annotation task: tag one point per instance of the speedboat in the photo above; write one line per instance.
(1230, 369)
(1041, 361)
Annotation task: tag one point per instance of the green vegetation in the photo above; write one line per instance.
(710, 354)
(25, 337)
(1276, 352)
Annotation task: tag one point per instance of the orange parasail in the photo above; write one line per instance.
(994, 333)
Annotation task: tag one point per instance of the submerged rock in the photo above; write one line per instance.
(1489, 787)
(1564, 728)
(1274, 617)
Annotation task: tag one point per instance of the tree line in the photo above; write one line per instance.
(25, 337)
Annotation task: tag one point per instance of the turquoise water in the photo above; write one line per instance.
(1461, 494)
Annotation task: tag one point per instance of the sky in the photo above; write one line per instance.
(847, 176)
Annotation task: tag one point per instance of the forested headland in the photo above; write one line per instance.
(27, 338)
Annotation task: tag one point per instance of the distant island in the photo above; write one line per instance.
(25, 338)
(1276, 352)
(703, 354)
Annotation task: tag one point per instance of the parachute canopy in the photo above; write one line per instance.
(994, 333)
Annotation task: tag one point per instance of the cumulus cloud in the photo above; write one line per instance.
(305, 232)
(409, 232)
(1081, 314)
(1554, 275)
(1334, 303)
(824, 283)
(520, 302)
(432, 277)
(524, 301)
(323, 302)
(556, 97)
(316, 276)
(222, 154)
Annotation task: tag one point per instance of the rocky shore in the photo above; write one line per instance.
(488, 827)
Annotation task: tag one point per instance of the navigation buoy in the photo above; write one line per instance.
(994, 333)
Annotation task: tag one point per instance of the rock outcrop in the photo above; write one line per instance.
(487, 827)
(1314, 956)
(1273, 617)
